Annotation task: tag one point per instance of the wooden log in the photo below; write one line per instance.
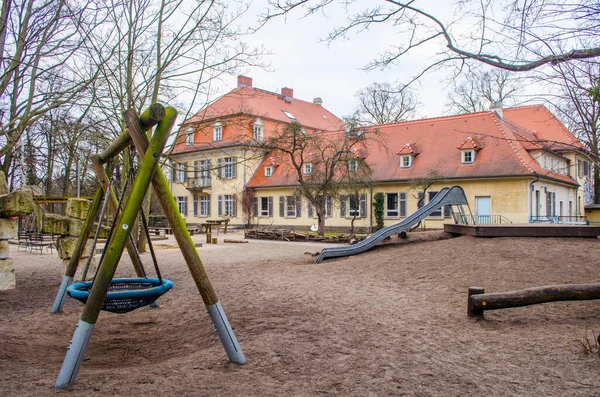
(152, 116)
(170, 209)
(471, 311)
(113, 203)
(533, 296)
(234, 241)
(122, 231)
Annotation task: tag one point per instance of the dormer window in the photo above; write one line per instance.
(468, 156)
(189, 136)
(259, 130)
(307, 169)
(406, 161)
(468, 150)
(269, 171)
(217, 131)
(352, 165)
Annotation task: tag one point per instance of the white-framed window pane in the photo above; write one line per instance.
(391, 204)
(268, 171)
(307, 168)
(353, 165)
(290, 207)
(405, 161)
(228, 204)
(402, 204)
(228, 169)
(217, 133)
(204, 203)
(264, 206)
(181, 174)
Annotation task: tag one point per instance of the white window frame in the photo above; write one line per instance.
(406, 161)
(263, 203)
(182, 205)
(189, 136)
(204, 202)
(181, 171)
(392, 213)
(269, 169)
(217, 132)
(289, 115)
(259, 130)
(228, 205)
(352, 212)
(290, 206)
(228, 165)
(353, 165)
(467, 153)
(307, 168)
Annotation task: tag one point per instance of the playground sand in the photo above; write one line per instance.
(388, 322)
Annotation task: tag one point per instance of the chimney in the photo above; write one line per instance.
(288, 93)
(244, 81)
(318, 101)
(496, 107)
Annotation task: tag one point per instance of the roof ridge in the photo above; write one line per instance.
(511, 143)
(429, 119)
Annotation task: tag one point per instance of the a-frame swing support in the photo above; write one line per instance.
(152, 116)
(149, 172)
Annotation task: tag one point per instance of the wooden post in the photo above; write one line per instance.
(471, 311)
(152, 116)
(113, 203)
(59, 301)
(120, 236)
(186, 245)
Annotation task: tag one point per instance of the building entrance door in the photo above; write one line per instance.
(483, 208)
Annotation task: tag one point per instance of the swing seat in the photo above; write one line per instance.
(124, 294)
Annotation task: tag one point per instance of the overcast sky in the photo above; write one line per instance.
(334, 72)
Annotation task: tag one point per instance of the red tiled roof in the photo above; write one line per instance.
(502, 151)
(542, 123)
(469, 143)
(270, 105)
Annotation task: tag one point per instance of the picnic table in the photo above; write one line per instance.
(207, 227)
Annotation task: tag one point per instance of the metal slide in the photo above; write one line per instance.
(454, 195)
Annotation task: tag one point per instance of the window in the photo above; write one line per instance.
(229, 167)
(307, 169)
(290, 206)
(265, 206)
(468, 156)
(204, 205)
(182, 172)
(259, 130)
(405, 161)
(182, 205)
(391, 205)
(437, 213)
(269, 171)
(357, 205)
(303, 131)
(584, 168)
(289, 115)
(217, 131)
(228, 205)
(189, 136)
(203, 178)
(195, 205)
(352, 165)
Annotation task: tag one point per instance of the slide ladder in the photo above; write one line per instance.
(454, 195)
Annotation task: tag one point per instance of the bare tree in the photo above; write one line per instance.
(321, 164)
(475, 91)
(573, 100)
(40, 44)
(380, 103)
(525, 36)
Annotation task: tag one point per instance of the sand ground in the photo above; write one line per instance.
(391, 322)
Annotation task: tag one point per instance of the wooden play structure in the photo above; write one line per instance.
(121, 295)
(479, 301)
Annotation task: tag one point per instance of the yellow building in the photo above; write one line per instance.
(516, 165)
